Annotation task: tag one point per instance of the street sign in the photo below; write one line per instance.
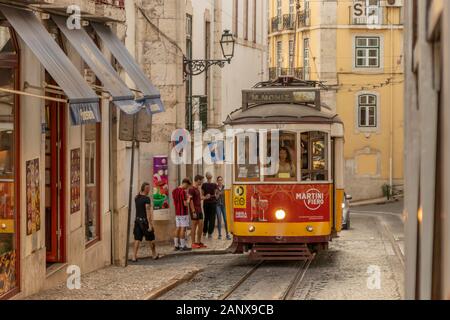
(140, 124)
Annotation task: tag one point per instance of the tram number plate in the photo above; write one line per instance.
(240, 197)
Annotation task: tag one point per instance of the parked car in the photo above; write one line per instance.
(346, 212)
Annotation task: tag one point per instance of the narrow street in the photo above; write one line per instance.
(343, 272)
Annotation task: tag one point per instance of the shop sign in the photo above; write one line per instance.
(136, 127)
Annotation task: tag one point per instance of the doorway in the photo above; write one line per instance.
(54, 182)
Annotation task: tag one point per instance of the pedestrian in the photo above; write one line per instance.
(143, 225)
(221, 213)
(181, 201)
(209, 205)
(195, 207)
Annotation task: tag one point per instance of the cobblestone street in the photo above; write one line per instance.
(342, 272)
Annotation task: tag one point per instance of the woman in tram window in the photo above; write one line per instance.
(286, 168)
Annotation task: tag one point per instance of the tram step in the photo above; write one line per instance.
(280, 252)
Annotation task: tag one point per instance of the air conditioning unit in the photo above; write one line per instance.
(394, 3)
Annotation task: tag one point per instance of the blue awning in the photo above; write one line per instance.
(151, 97)
(83, 102)
(121, 95)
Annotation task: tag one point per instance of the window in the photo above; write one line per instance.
(286, 164)
(367, 52)
(236, 18)
(367, 111)
(92, 182)
(367, 12)
(291, 8)
(279, 57)
(246, 19)
(247, 157)
(189, 120)
(306, 68)
(279, 9)
(207, 57)
(373, 11)
(255, 19)
(9, 104)
(291, 53)
(314, 161)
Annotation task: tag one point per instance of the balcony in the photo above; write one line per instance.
(304, 18)
(288, 22)
(115, 3)
(95, 10)
(282, 23)
(373, 16)
(276, 72)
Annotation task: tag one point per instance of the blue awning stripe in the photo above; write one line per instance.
(83, 113)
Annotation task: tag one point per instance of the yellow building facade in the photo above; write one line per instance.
(355, 47)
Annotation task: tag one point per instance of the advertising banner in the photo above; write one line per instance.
(33, 197)
(161, 188)
(302, 203)
(75, 180)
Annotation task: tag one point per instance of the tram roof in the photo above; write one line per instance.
(281, 113)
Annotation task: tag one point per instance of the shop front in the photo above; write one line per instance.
(56, 206)
(9, 157)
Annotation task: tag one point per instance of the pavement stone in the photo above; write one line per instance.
(214, 245)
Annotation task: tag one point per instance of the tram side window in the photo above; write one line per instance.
(247, 158)
(286, 163)
(314, 156)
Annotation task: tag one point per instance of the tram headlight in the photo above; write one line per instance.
(309, 228)
(280, 214)
(251, 229)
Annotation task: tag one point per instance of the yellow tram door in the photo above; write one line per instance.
(338, 183)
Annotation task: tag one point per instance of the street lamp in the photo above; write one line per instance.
(227, 44)
(196, 67)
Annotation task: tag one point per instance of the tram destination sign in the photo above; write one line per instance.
(288, 96)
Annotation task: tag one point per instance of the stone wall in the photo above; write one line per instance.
(160, 35)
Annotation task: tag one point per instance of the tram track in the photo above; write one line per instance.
(287, 294)
(290, 291)
(230, 291)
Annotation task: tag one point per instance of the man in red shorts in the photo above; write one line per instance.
(181, 201)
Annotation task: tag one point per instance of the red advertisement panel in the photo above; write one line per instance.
(301, 203)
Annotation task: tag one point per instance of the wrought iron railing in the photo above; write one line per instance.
(276, 24)
(281, 23)
(288, 22)
(115, 3)
(276, 72)
(375, 15)
(304, 18)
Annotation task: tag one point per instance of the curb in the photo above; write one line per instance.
(156, 293)
(210, 252)
(373, 201)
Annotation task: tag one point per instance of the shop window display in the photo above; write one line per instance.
(8, 249)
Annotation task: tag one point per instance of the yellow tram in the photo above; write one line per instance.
(284, 207)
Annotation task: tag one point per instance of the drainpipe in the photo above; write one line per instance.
(391, 149)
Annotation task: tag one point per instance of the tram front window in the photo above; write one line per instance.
(247, 165)
(314, 156)
(286, 163)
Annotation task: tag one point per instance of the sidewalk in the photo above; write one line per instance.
(214, 246)
(135, 282)
(383, 200)
(138, 281)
